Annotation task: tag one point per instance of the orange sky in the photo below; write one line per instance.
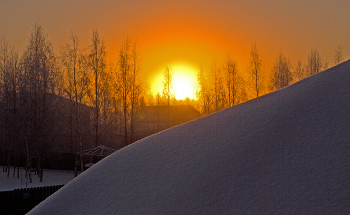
(188, 32)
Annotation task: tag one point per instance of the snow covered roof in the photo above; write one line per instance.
(283, 153)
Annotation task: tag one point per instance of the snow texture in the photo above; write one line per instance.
(51, 177)
(286, 152)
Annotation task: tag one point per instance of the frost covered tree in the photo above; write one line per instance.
(234, 84)
(281, 74)
(168, 91)
(130, 87)
(219, 96)
(10, 114)
(97, 64)
(231, 80)
(314, 62)
(203, 92)
(75, 83)
(136, 88)
(338, 55)
(124, 77)
(255, 70)
(40, 72)
(299, 71)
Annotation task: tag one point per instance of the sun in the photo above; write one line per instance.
(183, 83)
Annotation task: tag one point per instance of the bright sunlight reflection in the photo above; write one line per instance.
(184, 80)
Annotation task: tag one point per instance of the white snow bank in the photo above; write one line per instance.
(286, 152)
(51, 177)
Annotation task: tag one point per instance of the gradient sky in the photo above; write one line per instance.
(187, 33)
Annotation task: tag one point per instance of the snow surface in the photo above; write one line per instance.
(51, 177)
(286, 152)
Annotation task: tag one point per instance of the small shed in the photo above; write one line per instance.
(96, 154)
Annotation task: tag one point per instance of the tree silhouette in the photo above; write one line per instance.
(299, 71)
(97, 63)
(203, 92)
(255, 70)
(40, 71)
(168, 91)
(10, 86)
(75, 83)
(281, 72)
(130, 87)
(234, 84)
(314, 62)
(338, 55)
(219, 94)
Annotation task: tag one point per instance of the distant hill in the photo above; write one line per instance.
(283, 153)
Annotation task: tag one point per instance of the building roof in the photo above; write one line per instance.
(178, 114)
(100, 151)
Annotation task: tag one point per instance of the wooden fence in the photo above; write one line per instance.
(20, 201)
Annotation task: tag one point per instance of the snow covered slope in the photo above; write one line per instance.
(287, 152)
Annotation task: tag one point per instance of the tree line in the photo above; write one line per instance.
(74, 96)
(79, 98)
(224, 86)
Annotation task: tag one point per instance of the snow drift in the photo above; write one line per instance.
(287, 152)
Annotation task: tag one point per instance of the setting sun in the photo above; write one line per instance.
(183, 86)
(183, 83)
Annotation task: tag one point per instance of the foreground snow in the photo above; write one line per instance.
(283, 153)
(51, 177)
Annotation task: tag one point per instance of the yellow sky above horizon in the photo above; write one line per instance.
(183, 32)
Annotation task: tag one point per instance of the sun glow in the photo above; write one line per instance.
(183, 85)
(184, 80)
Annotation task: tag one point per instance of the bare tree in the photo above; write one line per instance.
(158, 107)
(108, 125)
(13, 104)
(338, 55)
(124, 74)
(203, 92)
(281, 73)
(39, 64)
(299, 72)
(219, 94)
(325, 65)
(2, 108)
(168, 91)
(75, 86)
(314, 62)
(231, 73)
(97, 62)
(4, 66)
(136, 87)
(255, 70)
(10, 77)
(234, 85)
(130, 87)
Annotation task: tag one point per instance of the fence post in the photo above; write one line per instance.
(20, 201)
(15, 201)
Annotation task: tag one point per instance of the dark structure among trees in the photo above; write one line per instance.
(152, 119)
